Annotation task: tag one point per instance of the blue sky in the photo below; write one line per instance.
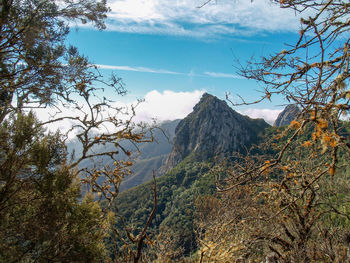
(170, 52)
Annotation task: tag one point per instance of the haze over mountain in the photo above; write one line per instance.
(212, 129)
(152, 155)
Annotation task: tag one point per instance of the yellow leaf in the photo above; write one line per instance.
(295, 124)
(322, 123)
(313, 115)
(266, 170)
(285, 168)
(348, 95)
(326, 138)
(306, 144)
(333, 143)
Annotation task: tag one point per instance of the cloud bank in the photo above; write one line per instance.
(268, 115)
(183, 17)
(171, 105)
(167, 105)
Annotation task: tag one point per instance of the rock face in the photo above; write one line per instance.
(289, 114)
(212, 129)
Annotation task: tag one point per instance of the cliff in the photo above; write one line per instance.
(212, 129)
(287, 115)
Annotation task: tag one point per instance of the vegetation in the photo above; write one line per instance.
(172, 234)
(292, 206)
(286, 213)
(287, 200)
(43, 216)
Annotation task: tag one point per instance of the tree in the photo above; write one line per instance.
(43, 216)
(292, 203)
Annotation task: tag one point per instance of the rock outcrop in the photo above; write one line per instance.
(289, 114)
(212, 129)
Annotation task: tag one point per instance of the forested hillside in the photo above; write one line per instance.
(212, 127)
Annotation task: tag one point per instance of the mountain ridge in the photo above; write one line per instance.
(289, 114)
(212, 129)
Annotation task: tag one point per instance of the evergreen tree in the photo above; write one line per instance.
(43, 216)
(42, 219)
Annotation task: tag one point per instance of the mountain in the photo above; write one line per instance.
(287, 115)
(212, 129)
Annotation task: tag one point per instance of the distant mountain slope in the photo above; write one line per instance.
(142, 171)
(163, 139)
(289, 113)
(213, 129)
(148, 157)
(151, 156)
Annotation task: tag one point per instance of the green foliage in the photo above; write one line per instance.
(41, 216)
(177, 191)
(36, 66)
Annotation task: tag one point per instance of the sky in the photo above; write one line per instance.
(169, 52)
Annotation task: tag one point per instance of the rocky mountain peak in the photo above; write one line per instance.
(289, 114)
(212, 129)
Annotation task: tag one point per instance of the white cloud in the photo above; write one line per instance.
(183, 17)
(222, 75)
(139, 69)
(159, 106)
(171, 105)
(53, 113)
(165, 71)
(268, 115)
(167, 105)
